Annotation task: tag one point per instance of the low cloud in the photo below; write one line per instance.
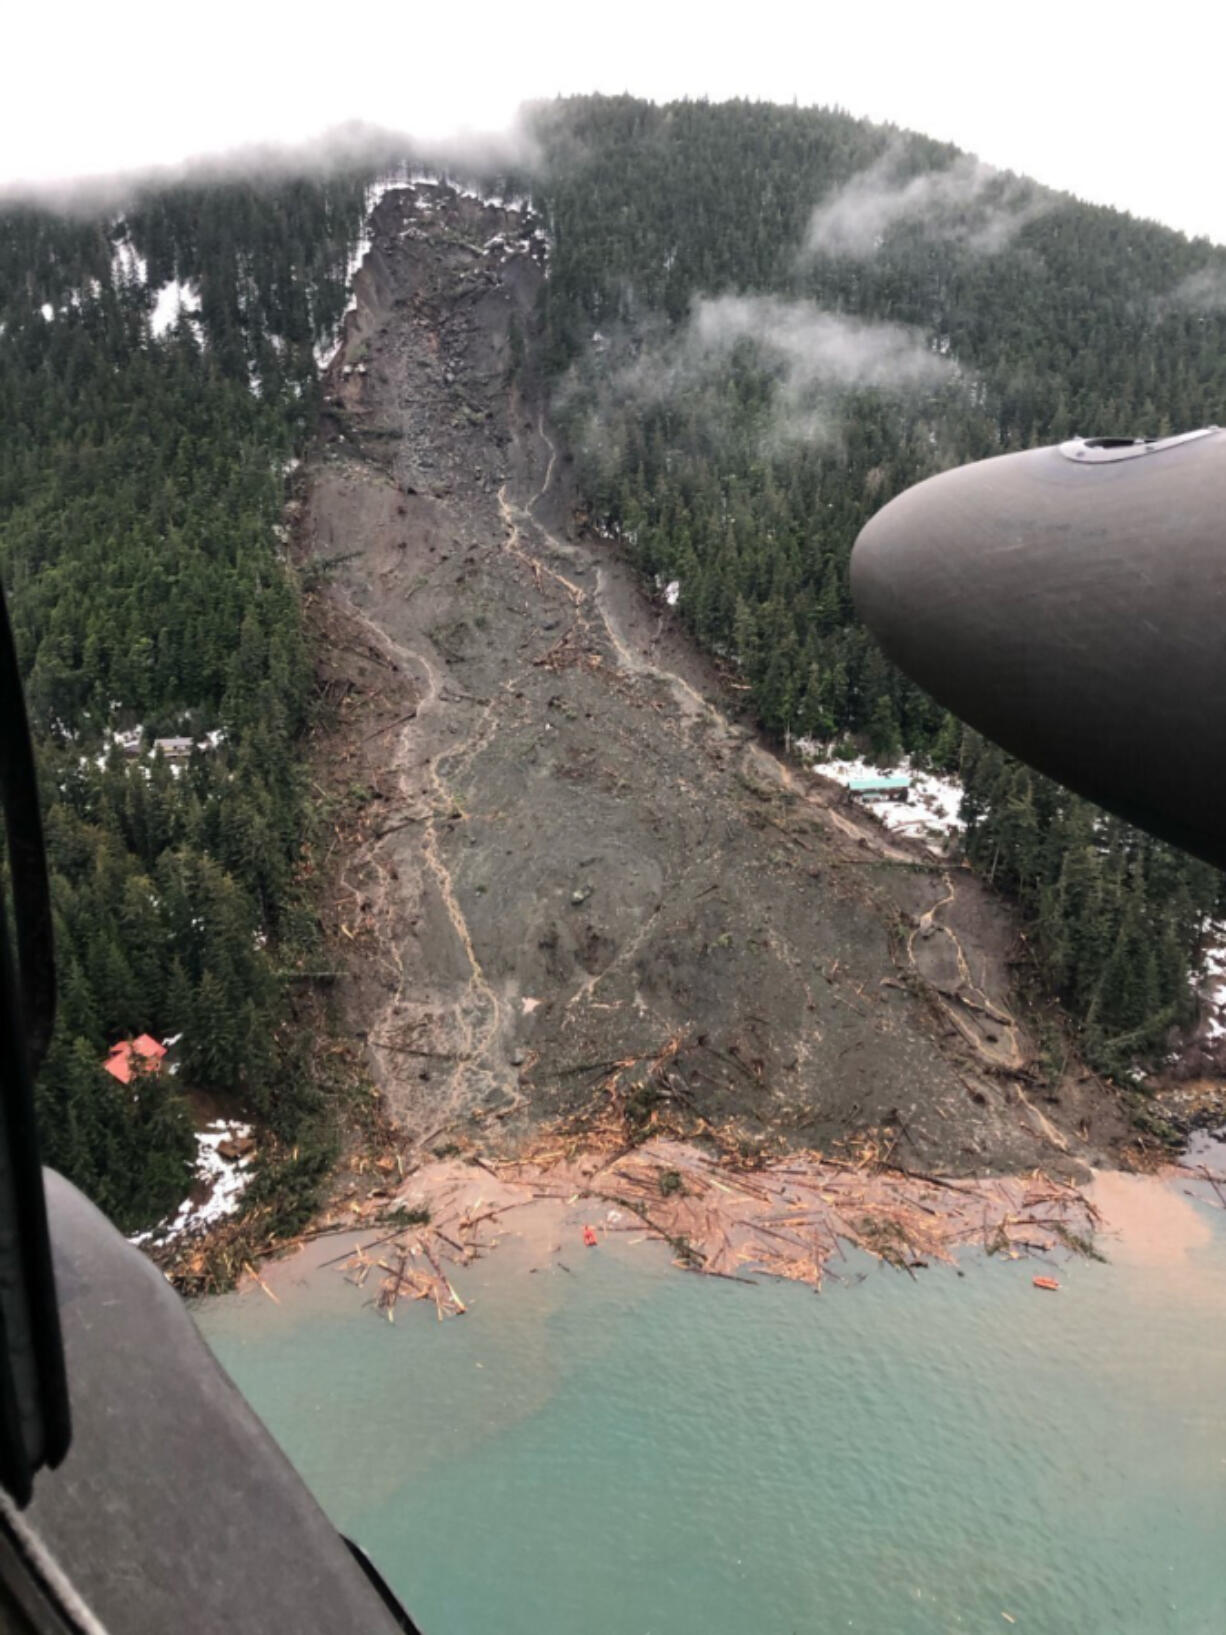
(967, 201)
(817, 356)
(814, 347)
(814, 358)
(345, 148)
(1201, 291)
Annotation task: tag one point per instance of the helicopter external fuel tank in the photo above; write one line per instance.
(1070, 603)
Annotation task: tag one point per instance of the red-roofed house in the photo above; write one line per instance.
(131, 1056)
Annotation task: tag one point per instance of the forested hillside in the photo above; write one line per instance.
(156, 376)
(764, 322)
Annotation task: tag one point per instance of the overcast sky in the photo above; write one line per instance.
(1117, 104)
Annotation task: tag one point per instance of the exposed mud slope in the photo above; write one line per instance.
(575, 873)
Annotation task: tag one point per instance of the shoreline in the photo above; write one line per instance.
(790, 1219)
(786, 1216)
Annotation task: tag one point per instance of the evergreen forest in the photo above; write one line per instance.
(143, 462)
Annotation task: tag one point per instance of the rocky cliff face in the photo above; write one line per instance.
(566, 874)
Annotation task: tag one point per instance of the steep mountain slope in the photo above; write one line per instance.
(566, 872)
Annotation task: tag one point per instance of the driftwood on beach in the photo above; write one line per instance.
(790, 1219)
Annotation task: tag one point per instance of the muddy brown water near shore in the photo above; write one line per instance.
(562, 871)
(796, 1219)
(619, 1447)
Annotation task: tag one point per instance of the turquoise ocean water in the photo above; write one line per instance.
(628, 1450)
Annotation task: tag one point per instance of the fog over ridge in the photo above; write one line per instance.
(815, 345)
(352, 146)
(815, 357)
(1202, 291)
(966, 200)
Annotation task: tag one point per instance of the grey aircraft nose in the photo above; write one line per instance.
(1070, 603)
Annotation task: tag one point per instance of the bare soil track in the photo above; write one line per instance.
(568, 874)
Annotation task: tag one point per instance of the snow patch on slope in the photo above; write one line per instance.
(1213, 983)
(171, 301)
(327, 348)
(226, 1181)
(930, 815)
(127, 266)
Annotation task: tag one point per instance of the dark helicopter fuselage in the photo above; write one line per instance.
(1070, 603)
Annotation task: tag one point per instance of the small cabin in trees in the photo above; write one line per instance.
(894, 786)
(132, 1056)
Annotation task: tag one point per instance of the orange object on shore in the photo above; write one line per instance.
(589, 1236)
(1045, 1283)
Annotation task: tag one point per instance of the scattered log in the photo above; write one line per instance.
(250, 1268)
